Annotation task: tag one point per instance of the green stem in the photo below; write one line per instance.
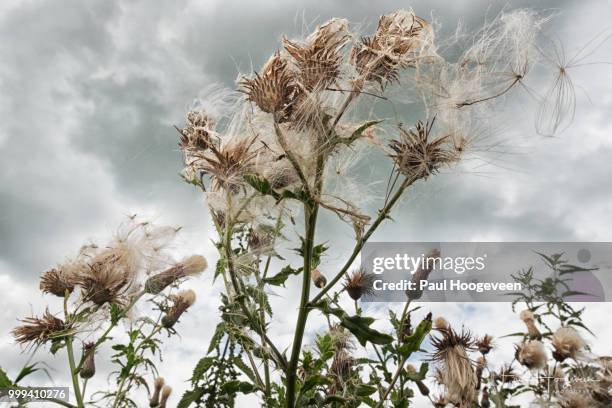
(74, 373)
(310, 214)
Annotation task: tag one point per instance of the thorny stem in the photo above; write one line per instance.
(71, 363)
(382, 214)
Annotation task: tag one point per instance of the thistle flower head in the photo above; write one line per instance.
(318, 60)
(440, 323)
(417, 156)
(165, 394)
(485, 344)
(157, 387)
(341, 338)
(107, 278)
(567, 343)
(88, 369)
(399, 40)
(197, 133)
(531, 354)
(528, 318)
(183, 300)
(318, 278)
(189, 266)
(228, 163)
(506, 374)
(456, 368)
(342, 364)
(57, 281)
(358, 284)
(39, 330)
(273, 90)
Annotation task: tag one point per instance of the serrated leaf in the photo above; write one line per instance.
(280, 278)
(189, 397)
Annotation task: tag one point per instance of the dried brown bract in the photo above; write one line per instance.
(37, 330)
(359, 283)
(416, 156)
(88, 369)
(57, 282)
(319, 59)
(274, 89)
(318, 278)
(567, 343)
(196, 135)
(103, 282)
(531, 354)
(157, 387)
(228, 164)
(485, 344)
(183, 300)
(528, 318)
(190, 266)
(399, 39)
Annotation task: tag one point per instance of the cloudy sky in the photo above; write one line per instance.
(89, 91)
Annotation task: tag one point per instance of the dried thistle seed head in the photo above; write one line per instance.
(399, 41)
(318, 60)
(441, 323)
(57, 281)
(274, 89)
(531, 354)
(157, 387)
(342, 364)
(190, 266)
(318, 278)
(451, 353)
(228, 163)
(37, 330)
(485, 344)
(88, 369)
(165, 394)
(196, 135)
(183, 300)
(484, 400)
(567, 343)
(261, 238)
(102, 284)
(416, 156)
(359, 283)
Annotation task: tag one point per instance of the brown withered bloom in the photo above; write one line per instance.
(456, 368)
(88, 369)
(318, 278)
(228, 164)
(359, 283)
(274, 89)
(319, 59)
(38, 330)
(189, 266)
(196, 135)
(417, 156)
(157, 387)
(397, 43)
(103, 284)
(181, 302)
(481, 364)
(57, 282)
(528, 318)
(484, 400)
(485, 344)
(165, 394)
(531, 354)
(567, 343)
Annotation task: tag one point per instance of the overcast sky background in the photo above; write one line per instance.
(89, 91)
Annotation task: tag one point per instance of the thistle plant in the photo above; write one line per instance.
(271, 167)
(266, 167)
(99, 289)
